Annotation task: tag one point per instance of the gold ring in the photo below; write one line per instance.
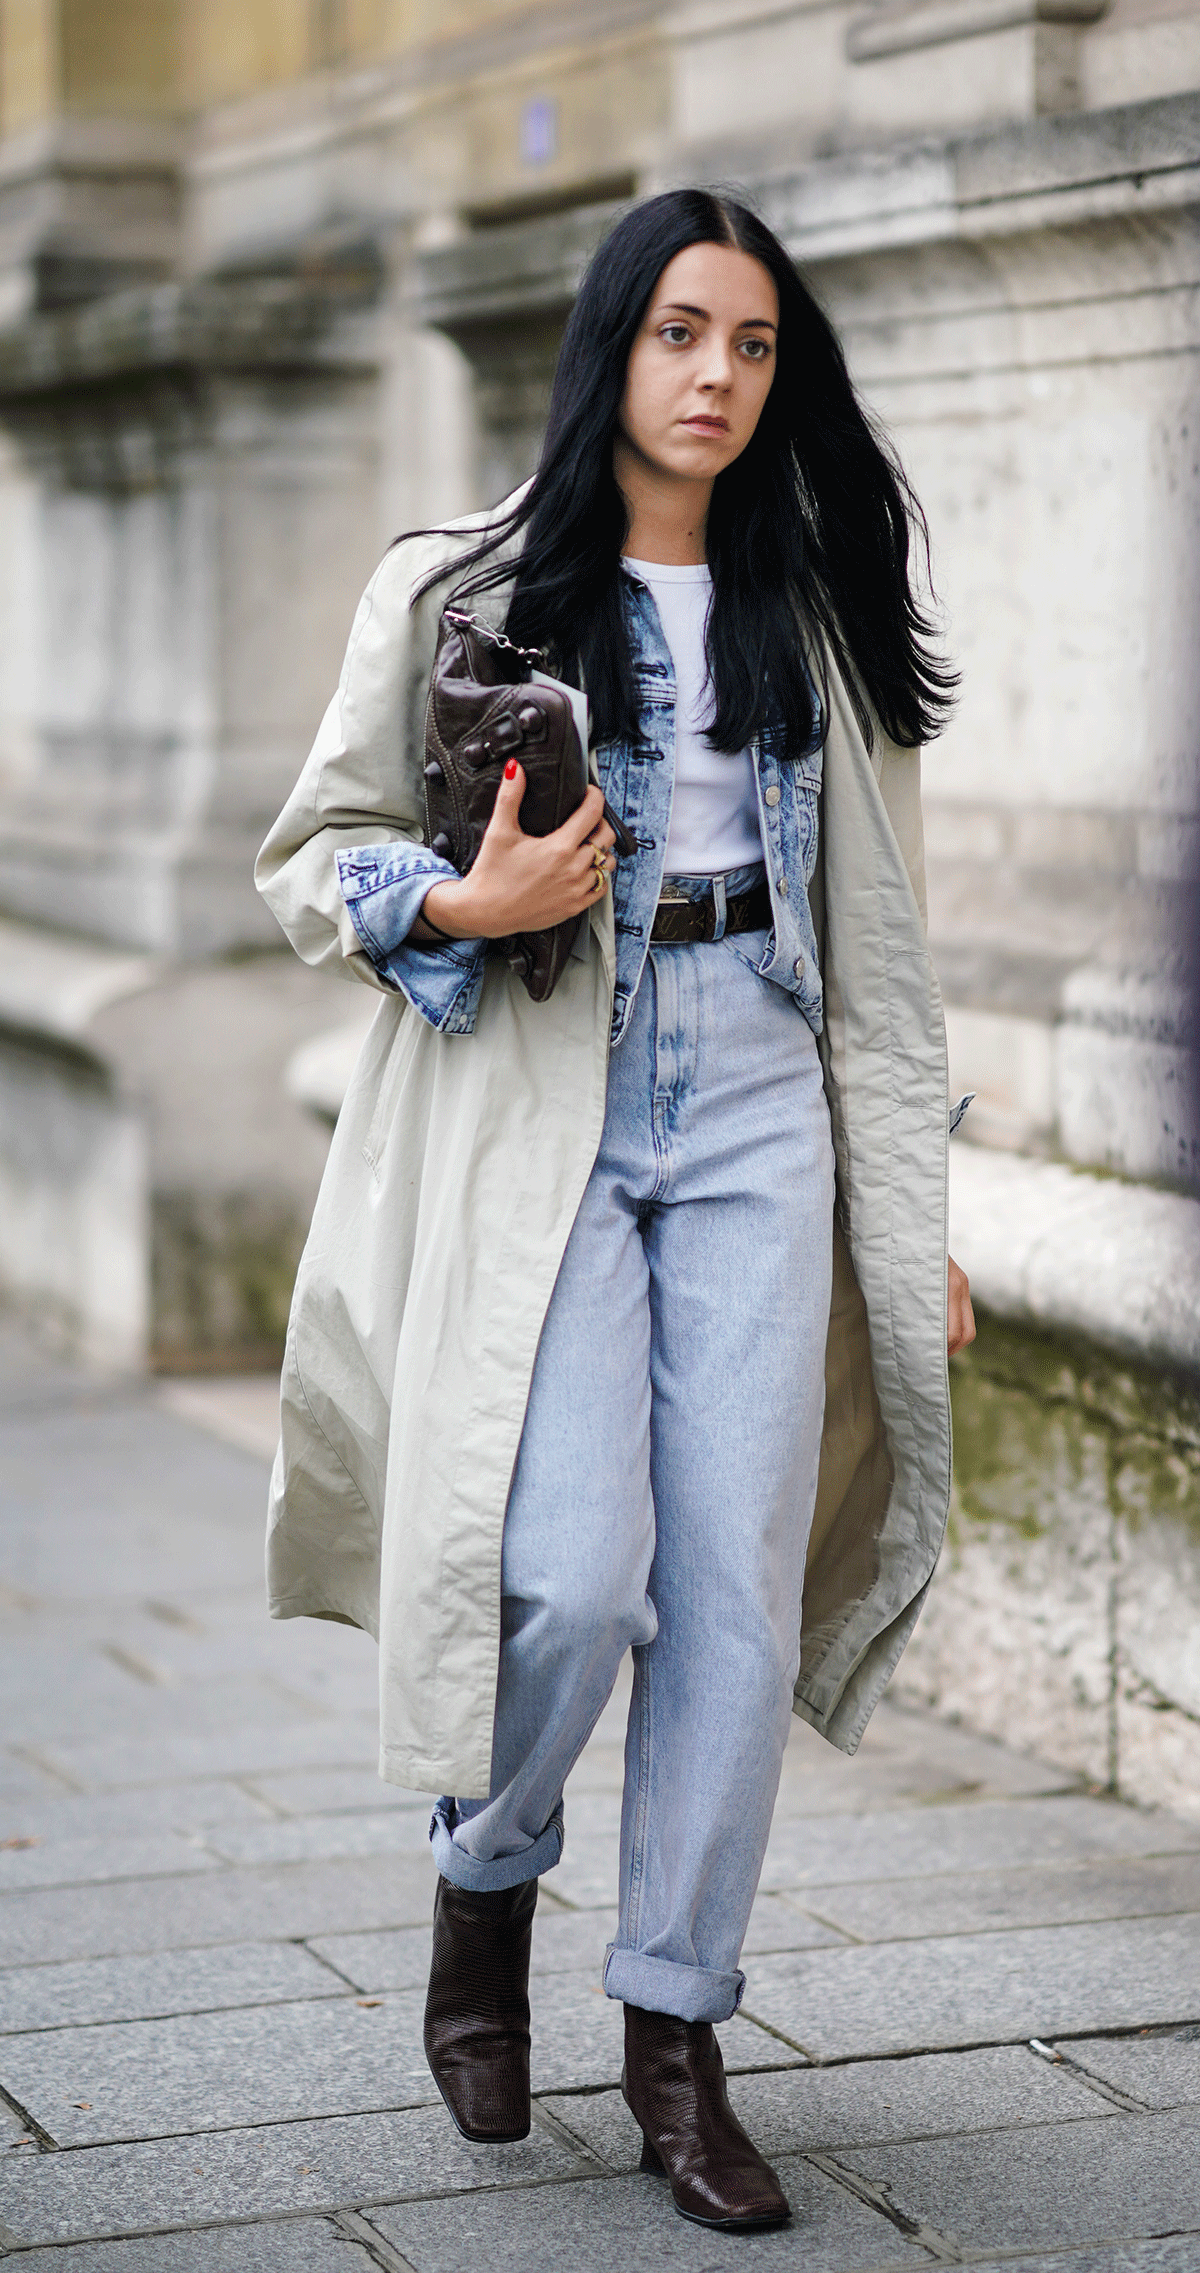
(601, 879)
(598, 858)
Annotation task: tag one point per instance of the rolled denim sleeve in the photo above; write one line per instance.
(383, 886)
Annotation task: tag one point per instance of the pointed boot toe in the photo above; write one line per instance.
(674, 2084)
(477, 2009)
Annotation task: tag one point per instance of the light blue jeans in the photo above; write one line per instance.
(664, 1487)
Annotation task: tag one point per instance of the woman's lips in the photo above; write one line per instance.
(702, 425)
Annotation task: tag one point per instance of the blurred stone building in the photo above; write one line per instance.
(279, 278)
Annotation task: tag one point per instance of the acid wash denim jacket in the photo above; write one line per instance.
(383, 885)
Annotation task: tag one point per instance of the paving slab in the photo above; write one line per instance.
(79, 1525)
(906, 1756)
(12, 2128)
(586, 1873)
(290, 1902)
(317, 1838)
(1108, 2181)
(967, 1902)
(148, 1705)
(100, 1861)
(285, 1738)
(1162, 2070)
(246, 2036)
(777, 1923)
(223, 1639)
(586, 1876)
(54, 1681)
(287, 2245)
(913, 1741)
(147, 1810)
(599, 1768)
(595, 2225)
(22, 1785)
(145, 1988)
(807, 2110)
(208, 2071)
(578, 2034)
(980, 1988)
(334, 1791)
(33, 1377)
(983, 1836)
(260, 2171)
(1169, 2254)
(377, 1962)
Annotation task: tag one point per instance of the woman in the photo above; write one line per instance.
(574, 1303)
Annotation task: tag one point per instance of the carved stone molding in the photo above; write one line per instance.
(894, 27)
(242, 324)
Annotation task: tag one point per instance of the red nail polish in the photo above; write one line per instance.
(510, 770)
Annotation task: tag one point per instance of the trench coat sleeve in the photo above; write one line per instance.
(361, 784)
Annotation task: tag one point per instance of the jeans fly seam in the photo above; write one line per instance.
(662, 1153)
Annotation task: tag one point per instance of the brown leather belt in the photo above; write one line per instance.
(681, 923)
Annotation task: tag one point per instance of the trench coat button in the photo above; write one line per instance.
(433, 771)
(771, 795)
(441, 845)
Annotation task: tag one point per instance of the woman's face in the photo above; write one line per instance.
(702, 364)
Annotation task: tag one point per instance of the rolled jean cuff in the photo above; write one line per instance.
(479, 1875)
(659, 1985)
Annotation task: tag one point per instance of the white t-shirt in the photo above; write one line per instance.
(714, 817)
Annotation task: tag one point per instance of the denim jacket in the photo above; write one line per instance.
(384, 885)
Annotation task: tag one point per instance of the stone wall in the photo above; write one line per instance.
(1065, 1610)
(1020, 305)
(189, 515)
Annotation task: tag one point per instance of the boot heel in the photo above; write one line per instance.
(651, 2159)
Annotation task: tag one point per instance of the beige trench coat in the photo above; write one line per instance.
(455, 1173)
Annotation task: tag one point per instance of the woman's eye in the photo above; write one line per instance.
(676, 335)
(755, 349)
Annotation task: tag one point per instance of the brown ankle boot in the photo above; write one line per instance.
(673, 2081)
(477, 2009)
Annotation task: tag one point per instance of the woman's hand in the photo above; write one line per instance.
(960, 1317)
(521, 883)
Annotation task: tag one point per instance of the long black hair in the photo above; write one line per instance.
(815, 518)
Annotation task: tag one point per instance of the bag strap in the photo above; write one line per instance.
(534, 656)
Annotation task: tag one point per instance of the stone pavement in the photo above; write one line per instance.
(971, 2032)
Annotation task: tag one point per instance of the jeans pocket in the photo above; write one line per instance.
(753, 948)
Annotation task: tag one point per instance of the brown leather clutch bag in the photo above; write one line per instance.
(485, 708)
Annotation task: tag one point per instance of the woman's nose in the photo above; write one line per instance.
(718, 369)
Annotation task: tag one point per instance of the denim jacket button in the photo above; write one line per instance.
(782, 887)
(798, 966)
(771, 795)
